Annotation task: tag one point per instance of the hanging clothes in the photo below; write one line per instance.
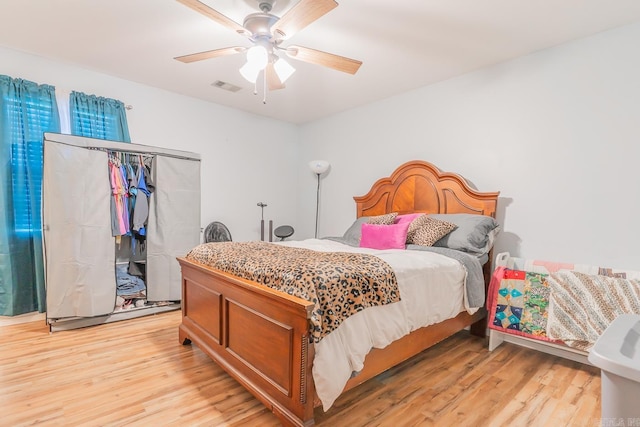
(133, 193)
(131, 187)
(144, 189)
(125, 198)
(119, 191)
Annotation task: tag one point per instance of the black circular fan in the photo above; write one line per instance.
(283, 231)
(216, 232)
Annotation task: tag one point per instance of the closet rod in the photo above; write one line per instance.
(117, 153)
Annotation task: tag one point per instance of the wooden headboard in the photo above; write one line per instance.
(419, 186)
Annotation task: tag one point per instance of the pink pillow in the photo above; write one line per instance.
(376, 236)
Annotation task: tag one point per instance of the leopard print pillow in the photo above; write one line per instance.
(417, 222)
(386, 219)
(425, 231)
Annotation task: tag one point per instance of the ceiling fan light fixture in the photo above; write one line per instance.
(250, 72)
(266, 32)
(258, 56)
(283, 69)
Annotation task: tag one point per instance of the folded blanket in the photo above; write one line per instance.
(128, 284)
(582, 305)
(518, 303)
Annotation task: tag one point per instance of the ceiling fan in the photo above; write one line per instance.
(267, 32)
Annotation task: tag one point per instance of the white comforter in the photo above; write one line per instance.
(431, 290)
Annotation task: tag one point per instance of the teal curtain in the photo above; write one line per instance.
(98, 117)
(27, 110)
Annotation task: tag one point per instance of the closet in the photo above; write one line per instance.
(82, 255)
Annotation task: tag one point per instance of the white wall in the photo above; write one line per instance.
(557, 132)
(239, 150)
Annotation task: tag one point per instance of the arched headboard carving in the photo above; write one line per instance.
(419, 186)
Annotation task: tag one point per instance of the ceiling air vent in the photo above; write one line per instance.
(226, 86)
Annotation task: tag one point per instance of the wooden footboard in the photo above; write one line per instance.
(259, 336)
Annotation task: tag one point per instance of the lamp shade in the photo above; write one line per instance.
(250, 72)
(284, 70)
(258, 56)
(319, 166)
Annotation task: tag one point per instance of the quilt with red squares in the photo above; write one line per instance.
(518, 303)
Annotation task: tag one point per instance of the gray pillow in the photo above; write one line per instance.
(353, 233)
(474, 234)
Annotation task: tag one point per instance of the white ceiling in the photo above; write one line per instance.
(403, 44)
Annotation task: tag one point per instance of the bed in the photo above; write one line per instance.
(262, 337)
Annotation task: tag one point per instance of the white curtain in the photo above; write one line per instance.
(62, 99)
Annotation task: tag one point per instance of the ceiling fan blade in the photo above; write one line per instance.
(273, 81)
(210, 54)
(301, 15)
(213, 14)
(325, 59)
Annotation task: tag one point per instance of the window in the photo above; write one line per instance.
(93, 124)
(28, 121)
(98, 117)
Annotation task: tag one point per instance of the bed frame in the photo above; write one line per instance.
(261, 336)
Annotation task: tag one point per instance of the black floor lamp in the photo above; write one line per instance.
(318, 167)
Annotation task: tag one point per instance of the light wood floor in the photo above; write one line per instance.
(135, 373)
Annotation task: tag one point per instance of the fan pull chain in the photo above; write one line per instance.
(264, 88)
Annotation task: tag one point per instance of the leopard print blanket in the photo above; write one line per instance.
(339, 284)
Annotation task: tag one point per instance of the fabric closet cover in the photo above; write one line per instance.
(174, 224)
(79, 253)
